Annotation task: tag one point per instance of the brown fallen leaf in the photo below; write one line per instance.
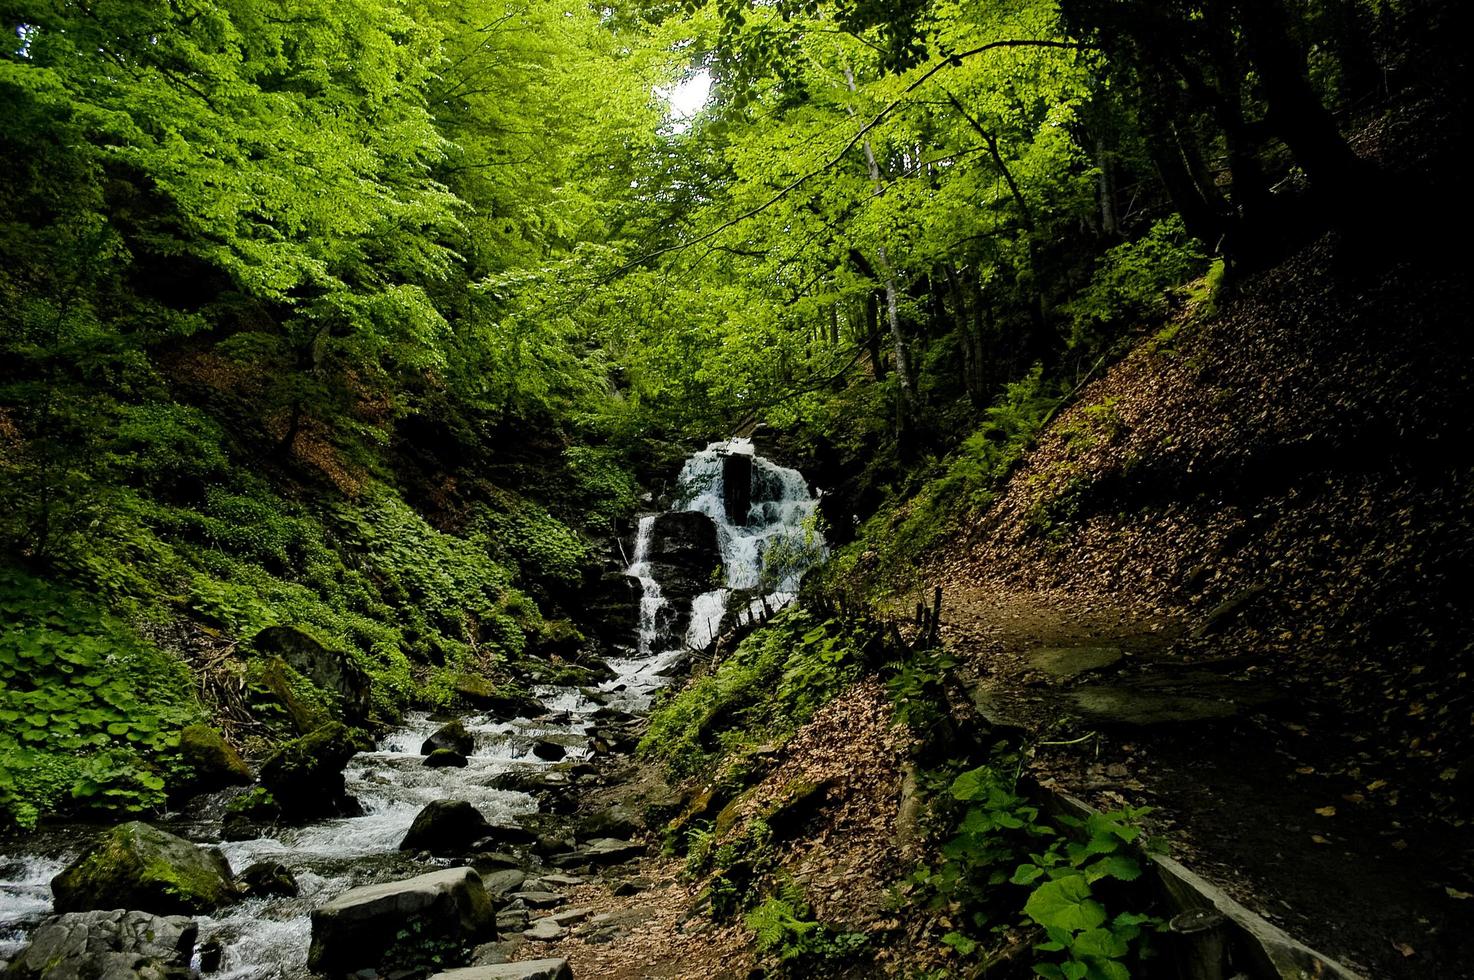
(1326, 811)
(1455, 893)
(1404, 949)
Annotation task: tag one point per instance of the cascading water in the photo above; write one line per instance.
(764, 553)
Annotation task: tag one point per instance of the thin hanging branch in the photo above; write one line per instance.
(951, 61)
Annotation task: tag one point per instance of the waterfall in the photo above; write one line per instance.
(765, 533)
(650, 598)
(766, 551)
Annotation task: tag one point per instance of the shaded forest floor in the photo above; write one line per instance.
(1236, 572)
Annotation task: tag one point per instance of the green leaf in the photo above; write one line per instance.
(1115, 866)
(1065, 903)
(1026, 874)
(1099, 942)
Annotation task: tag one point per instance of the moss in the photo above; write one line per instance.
(136, 866)
(214, 761)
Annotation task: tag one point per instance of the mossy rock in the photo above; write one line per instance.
(482, 693)
(138, 867)
(215, 762)
(330, 670)
(306, 775)
(452, 735)
(296, 695)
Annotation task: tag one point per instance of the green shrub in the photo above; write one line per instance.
(90, 714)
(1134, 283)
(772, 683)
(1003, 859)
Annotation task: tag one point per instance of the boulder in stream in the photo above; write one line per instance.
(138, 867)
(107, 945)
(452, 735)
(215, 763)
(334, 671)
(446, 758)
(446, 827)
(305, 776)
(359, 929)
(267, 878)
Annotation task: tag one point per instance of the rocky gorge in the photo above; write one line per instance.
(446, 846)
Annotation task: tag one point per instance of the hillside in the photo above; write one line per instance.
(1275, 494)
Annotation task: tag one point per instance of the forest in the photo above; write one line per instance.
(799, 488)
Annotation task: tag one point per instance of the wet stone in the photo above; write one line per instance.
(446, 758)
(1063, 663)
(548, 751)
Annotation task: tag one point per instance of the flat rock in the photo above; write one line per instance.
(501, 882)
(539, 900)
(544, 930)
(570, 917)
(608, 850)
(108, 945)
(549, 969)
(357, 928)
(1063, 663)
(1137, 707)
(561, 881)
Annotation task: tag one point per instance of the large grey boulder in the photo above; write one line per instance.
(139, 867)
(107, 945)
(331, 670)
(355, 930)
(446, 827)
(550, 969)
(306, 775)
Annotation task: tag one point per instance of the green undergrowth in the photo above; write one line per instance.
(90, 713)
(746, 879)
(154, 554)
(771, 684)
(892, 542)
(1004, 867)
(998, 871)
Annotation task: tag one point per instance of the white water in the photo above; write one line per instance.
(268, 938)
(770, 550)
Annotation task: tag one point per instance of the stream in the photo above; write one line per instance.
(763, 557)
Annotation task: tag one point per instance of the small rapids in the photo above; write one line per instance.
(268, 938)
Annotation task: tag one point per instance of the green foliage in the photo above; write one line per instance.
(523, 535)
(893, 542)
(1136, 283)
(421, 949)
(784, 928)
(1004, 858)
(772, 683)
(90, 714)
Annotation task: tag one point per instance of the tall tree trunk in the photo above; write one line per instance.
(1295, 111)
(1038, 313)
(899, 343)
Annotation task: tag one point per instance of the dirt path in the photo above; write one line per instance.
(1263, 794)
